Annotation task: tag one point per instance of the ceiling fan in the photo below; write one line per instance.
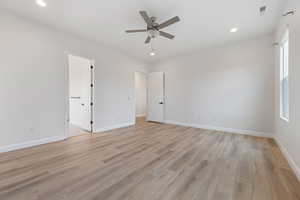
(153, 28)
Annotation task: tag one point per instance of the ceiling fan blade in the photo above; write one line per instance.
(167, 35)
(146, 18)
(136, 31)
(169, 22)
(148, 40)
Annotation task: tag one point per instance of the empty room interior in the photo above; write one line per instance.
(150, 100)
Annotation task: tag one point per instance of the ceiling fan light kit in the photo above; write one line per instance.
(153, 28)
(153, 33)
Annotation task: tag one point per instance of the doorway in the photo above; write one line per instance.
(81, 92)
(140, 96)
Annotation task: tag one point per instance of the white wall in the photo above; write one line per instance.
(33, 71)
(230, 87)
(288, 133)
(140, 94)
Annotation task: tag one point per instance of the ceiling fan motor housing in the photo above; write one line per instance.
(153, 33)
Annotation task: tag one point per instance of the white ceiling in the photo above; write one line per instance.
(203, 23)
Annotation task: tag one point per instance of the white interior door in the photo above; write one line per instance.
(80, 80)
(156, 97)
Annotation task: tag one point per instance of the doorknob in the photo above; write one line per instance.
(161, 102)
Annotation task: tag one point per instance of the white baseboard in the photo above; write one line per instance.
(108, 128)
(33, 143)
(289, 158)
(141, 115)
(229, 130)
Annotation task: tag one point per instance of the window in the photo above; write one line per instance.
(284, 77)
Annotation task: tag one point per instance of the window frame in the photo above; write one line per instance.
(284, 72)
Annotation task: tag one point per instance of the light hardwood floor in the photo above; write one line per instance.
(150, 161)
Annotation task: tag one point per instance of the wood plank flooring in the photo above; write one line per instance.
(150, 161)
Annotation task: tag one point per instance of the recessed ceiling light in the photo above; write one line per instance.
(152, 54)
(41, 3)
(233, 30)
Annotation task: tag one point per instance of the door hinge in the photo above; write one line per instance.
(92, 122)
(92, 85)
(92, 67)
(92, 103)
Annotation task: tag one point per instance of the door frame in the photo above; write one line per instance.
(67, 86)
